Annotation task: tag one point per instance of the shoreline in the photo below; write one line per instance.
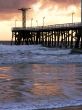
(66, 108)
(76, 51)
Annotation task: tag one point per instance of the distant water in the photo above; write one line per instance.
(36, 77)
(5, 42)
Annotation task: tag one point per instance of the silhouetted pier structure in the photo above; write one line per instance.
(59, 35)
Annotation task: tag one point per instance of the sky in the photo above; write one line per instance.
(53, 12)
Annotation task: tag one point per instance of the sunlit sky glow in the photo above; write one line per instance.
(54, 11)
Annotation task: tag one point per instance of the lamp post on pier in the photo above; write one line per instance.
(72, 16)
(15, 22)
(31, 21)
(37, 22)
(43, 20)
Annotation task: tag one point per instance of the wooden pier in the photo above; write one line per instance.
(60, 35)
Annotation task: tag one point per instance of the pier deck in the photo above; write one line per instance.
(59, 35)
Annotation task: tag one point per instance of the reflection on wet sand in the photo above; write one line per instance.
(3, 73)
(9, 91)
(49, 89)
(5, 68)
(4, 76)
(26, 82)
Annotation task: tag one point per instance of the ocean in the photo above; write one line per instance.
(34, 77)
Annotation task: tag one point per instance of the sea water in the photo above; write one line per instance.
(36, 77)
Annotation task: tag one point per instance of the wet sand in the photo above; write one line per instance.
(40, 87)
(71, 108)
(66, 108)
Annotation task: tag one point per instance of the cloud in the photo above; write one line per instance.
(8, 8)
(13, 5)
(59, 3)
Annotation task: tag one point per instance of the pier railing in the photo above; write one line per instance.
(55, 26)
